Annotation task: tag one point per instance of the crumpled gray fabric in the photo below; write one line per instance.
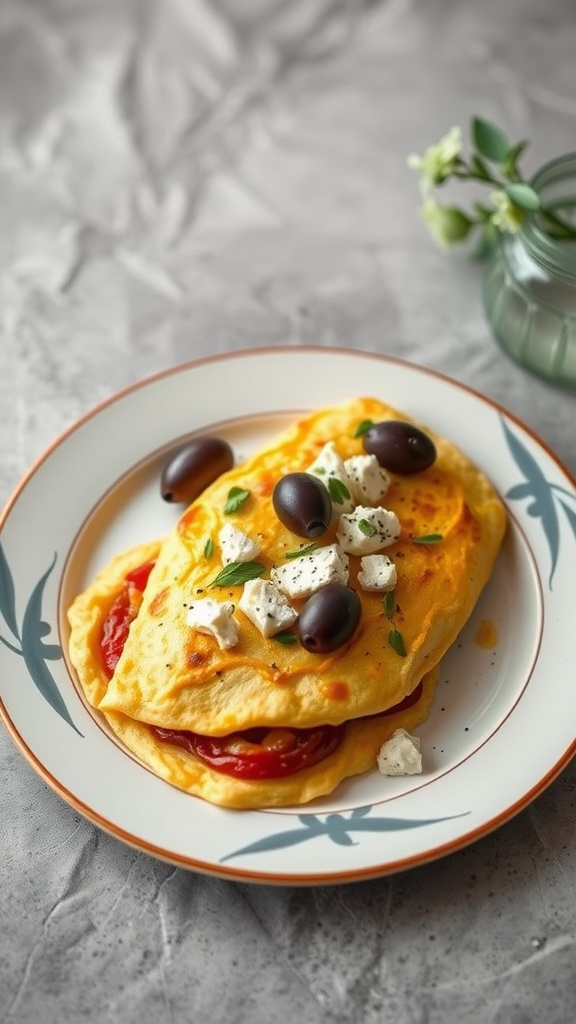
(180, 178)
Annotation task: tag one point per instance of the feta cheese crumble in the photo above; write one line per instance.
(400, 755)
(329, 468)
(236, 546)
(366, 530)
(368, 481)
(303, 576)
(266, 607)
(377, 572)
(214, 618)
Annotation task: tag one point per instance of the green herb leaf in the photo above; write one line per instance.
(286, 638)
(236, 498)
(510, 164)
(337, 490)
(301, 551)
(238, 572)
(490, 141)
(523, 196)
(396, 641)
(389, 603)
(428, 538)
(209, 548)
(368, 529)
(363, 427)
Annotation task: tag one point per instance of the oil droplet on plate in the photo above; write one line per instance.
(486, 635)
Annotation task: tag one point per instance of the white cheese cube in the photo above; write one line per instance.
(236, 546)
(367, 530)
(303, 576)
(216, 619)
(377, 572)
(329, 468)
(369, 482)
(266, 607)
(400, 755)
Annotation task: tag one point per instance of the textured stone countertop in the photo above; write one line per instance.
(183, 178)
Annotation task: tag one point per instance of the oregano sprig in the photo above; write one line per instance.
(286, 638)
(306, 550)
(338, 490)
(389, 604)
(396, 641)
(367, 528)
(395, 638)
(363, 428)
(238, 572)
(236, 498)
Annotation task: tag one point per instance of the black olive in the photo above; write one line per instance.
(193, 467)
(400, 447)
(302, 504)
(329, 618)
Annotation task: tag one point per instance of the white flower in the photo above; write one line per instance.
(438, 162)
(446, 224)
(507, 216)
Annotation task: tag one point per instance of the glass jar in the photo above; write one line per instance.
(530, 284)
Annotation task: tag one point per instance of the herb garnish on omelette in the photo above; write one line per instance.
(295, 616)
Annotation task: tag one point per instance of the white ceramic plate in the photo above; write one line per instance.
(503, 722)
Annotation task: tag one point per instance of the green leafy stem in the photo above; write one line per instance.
(335, 827)
(493, 162)
(27, 639)
(545, 499)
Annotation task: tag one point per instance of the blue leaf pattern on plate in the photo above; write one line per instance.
(544, 497)
(335, 827)
(30, 644)
(8, 599)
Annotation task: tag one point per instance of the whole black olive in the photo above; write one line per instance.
(400, 447)
(329, 618)
(302, 504)
(193, 467)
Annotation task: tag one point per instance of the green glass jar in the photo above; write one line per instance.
(530, 284)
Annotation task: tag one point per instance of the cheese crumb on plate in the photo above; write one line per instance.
(400, 755)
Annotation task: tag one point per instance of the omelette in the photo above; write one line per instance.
(252, 666)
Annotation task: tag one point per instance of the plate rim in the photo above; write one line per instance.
(242, 874)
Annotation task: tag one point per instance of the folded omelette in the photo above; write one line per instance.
(213, 674)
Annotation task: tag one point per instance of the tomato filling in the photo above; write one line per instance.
(120, 616)
(257, 753)
(268, 753)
